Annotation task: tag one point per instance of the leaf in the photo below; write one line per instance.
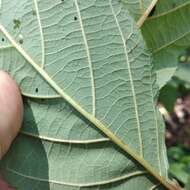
(163, 6)
(140, 9)
(86, 77)
(183, 73)
(167, 35)
(179, 163)
(187, 186)
(178, 170)
(168, 96)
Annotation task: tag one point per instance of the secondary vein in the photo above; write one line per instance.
(41, 33)
(89, 59)
(131, 79)
(56, 140)
(127, 176)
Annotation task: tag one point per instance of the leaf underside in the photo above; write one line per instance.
(91, 52)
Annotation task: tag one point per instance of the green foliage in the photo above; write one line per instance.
(183, 74)
(179, 85)
(167, 34)
(168, 95)
(187, 187)
(179, 158)
(163, 6)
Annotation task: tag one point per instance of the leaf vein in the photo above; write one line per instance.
(131, 79)
(56, 140)
(41, 33)
(171, 42)
(89, 59)
(120, 178)
(169, 11)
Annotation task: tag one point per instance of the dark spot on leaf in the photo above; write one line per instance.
(75, 18)
(21, 41)
(17, 23)
(20, 37)
(36, 90)
(2, 39)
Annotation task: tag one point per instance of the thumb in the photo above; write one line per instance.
(11, 111)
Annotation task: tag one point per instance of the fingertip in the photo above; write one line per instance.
(11, 111)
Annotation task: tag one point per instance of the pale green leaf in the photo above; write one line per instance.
(90, 121)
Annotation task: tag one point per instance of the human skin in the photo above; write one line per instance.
(11, 114)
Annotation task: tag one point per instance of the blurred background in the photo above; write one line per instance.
(174, 104)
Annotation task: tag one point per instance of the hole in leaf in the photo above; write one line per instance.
(75, 18)
(2, 39)
(36, 90)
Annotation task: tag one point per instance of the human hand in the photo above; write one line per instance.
(11, 114)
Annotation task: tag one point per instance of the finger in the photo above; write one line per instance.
(4, 185)
(11, 111)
